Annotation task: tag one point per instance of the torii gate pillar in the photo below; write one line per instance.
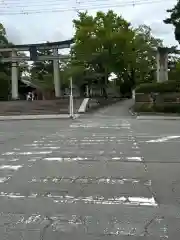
(57, 85)
(162, 64)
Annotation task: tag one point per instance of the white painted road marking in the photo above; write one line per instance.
(163, 139)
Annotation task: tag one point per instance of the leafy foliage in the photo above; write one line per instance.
(174, 19)
(107, 43)
(101, 43)
(145, 54)
(5, 71)
(42, 72)
(5, 68)
(168, 86)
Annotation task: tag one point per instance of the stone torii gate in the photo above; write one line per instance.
(32, 48)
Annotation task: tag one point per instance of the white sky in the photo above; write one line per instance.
(57, 26)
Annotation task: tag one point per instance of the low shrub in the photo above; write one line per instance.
(161, 108)
(164, 87)
(145, 107)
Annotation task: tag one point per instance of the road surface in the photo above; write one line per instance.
(103, 176)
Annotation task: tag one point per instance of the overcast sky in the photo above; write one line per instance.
(57, 26)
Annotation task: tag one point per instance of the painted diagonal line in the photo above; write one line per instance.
(163, 139)
(66, 199)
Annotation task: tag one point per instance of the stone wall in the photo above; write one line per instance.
(58, 106)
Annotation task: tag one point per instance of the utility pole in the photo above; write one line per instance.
(14, 78)
(71, 104)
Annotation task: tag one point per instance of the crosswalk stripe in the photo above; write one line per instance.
(54, 148)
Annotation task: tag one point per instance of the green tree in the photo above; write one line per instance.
(3, 38)
(144, 60)
(107, 43)
(174, 67)
(5, 70)
(23, 65)
(42, 74)
(102, 44)
(174, 19)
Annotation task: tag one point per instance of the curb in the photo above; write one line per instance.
(158, 117)
(152, 117)
(39, 117)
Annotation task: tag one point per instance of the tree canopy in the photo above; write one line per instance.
(108, 43)
(174, 19)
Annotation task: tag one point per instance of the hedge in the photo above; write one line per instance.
(163, 108)
(168, 86)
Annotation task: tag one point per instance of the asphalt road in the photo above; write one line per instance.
(103, 176)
